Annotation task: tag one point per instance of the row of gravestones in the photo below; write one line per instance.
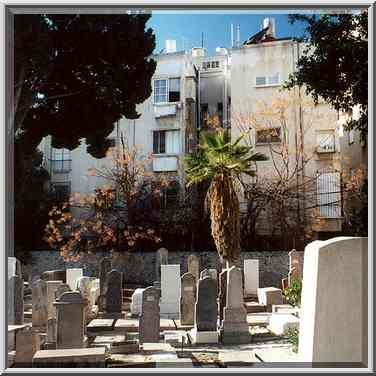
(196, 303)
(63, 301)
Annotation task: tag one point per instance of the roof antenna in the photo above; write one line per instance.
(238, 36)
(202, 39)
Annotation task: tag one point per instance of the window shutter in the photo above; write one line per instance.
(329, 194)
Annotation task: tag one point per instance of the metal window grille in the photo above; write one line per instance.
(329, 195)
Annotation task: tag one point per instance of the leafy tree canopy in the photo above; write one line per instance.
(75, 75)
(334, 66)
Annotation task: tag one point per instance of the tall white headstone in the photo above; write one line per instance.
(170, 291)
(72, 276)
(333, 315)
(251, 276)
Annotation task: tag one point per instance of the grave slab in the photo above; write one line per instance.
(280, 323)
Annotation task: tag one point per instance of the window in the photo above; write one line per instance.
(61, 191)
(159, 142)
(267, 80)
(329, 194)
(325, 142)
(210, 64)
(204, 112)
(61, 160)
(166, 142)
(270, 135)
(167, 90)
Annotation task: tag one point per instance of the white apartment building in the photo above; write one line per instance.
(273, 117)
(187, 86)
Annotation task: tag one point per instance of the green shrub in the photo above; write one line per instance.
(293, 338)
(293, 293)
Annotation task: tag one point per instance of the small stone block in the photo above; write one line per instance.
(280, 323)
(204, 337)
(71, 358)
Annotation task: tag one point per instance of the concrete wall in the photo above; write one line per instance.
(139, 268)
(333, 326)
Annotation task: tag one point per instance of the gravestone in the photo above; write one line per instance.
(335, 273)
(104, 268)
(194, 266)
(212, 273)
(72, 275)
(54, 275)
(84, 286)
(14, 267)
(114, 292)
(188, 299)
(39, 303)
(51, 333)
(70, 321)
(222, 293)
(251, 276)
(160, 259)
(94, 295)
(52, 286)
(136, 303)
(27, 344)
(61, 289)
(234, 326)
(15, 300)
(170, 291)
(206, 312)
(295, 271)
(269, 296)
(149, 323)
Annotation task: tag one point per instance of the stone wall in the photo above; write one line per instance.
(139, 267)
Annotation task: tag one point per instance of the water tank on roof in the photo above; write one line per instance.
(170, 46)
(270, 24)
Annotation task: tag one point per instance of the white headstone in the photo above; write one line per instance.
(14, 267)
(170, 291)
(136, 303)
(72, 276)
(251, 276)
(333, 315)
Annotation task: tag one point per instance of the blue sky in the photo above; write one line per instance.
(186, 27)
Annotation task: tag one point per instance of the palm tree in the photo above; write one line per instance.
(222, 162)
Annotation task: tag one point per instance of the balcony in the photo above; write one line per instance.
(163, 110)
(165, 164)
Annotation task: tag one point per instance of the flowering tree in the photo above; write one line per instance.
(111, 218)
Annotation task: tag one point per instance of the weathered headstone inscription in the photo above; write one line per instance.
(15, 300)
(114, 292)
(235, 327)
(70, 321)
(39, 303)
(194, 266)
(149, 323)
(188, 299)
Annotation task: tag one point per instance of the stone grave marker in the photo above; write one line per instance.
(295, 271)
(114, 292)
(70, 321)
(335, 274)
(136, 303)
(52, 286)
(149, 323)
(188, 299)
(14, 267)
(194, 266)
(234, 325)
(61, 289)
(170, 291)
(160, 259)
(222, 293)
(54, 275)
(39, 303)
(212, 273)
(27, 344)
(84, 286)
(206, 312)
(104, 269)
(251, 276)
(15, 300)
(269, 296)
(72, 275)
